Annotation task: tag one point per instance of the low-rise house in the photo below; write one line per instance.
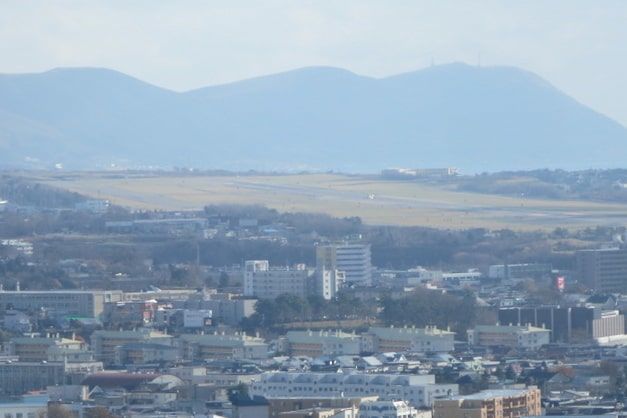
(579, 377)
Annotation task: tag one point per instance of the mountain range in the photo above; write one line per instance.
(314, 118)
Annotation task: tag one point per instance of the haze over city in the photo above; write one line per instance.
(313, 209)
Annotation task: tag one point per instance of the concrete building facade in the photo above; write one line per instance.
(514, 336)
(60, 303)
(389, 409)
(512, 403)
(22, 377)
(319, 343)
(35, 348)
(262, 282)
(391, 339)
(218, 346)
(419, 390)
(569, 324)
(352, 258)
(604, 270)
(105, 343)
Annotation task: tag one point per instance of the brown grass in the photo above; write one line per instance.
(394, 203)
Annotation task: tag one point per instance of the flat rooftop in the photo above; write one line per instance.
(494, 393)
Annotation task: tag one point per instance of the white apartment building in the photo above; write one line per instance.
(390, 409)
(351, 258)
(262, 282)
(514, 336)
(420, 340)
(418, 390)
(319, 343)
(329, 282)
(469, 277)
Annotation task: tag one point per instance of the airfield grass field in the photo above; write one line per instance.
(376, 201)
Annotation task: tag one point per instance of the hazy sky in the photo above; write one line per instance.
(580, 46)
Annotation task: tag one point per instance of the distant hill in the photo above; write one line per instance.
(318, 118)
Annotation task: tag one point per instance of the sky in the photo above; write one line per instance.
(579, 46)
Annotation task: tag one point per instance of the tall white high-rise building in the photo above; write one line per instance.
(351, 258)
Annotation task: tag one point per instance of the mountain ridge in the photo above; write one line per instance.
(321, 118)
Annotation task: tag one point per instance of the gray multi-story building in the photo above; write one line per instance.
(354, 259)
(604, 270)
(263, 282)
(105, 342)
(519, 271)
(225, 308)
(568, 324)
(198, 347)
(17, 378)
(60, 303)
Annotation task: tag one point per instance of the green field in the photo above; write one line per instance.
(381, 202)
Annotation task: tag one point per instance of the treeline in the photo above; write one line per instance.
(392, 247)
(50, 222)
(302, 223)
(604, 185)
(26, 193)
(221, 252)
(272, 314)
(32, 276)
(424, 307)
(420, 308)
